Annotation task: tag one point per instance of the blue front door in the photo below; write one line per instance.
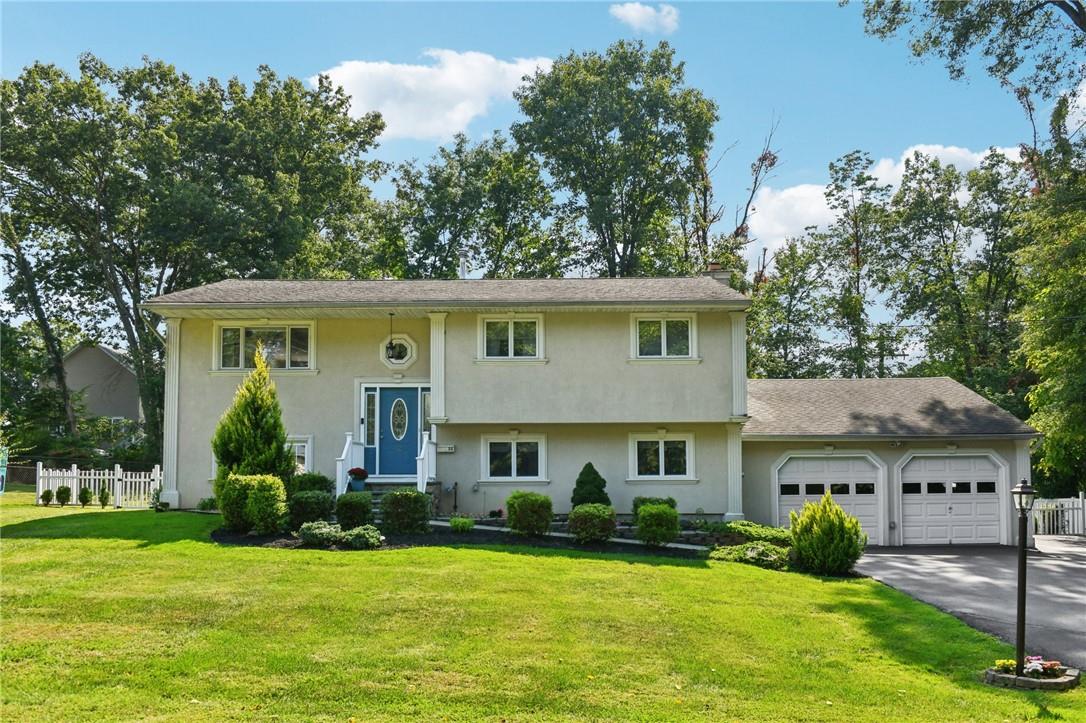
(399, 430)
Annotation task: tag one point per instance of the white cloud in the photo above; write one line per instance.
(432, 101)
(663, 18)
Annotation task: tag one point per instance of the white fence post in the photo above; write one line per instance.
(38, 485)
(117, 487)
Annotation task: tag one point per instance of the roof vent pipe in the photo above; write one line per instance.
(463, 264)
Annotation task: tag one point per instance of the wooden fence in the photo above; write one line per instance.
(126, 489)
(1065, 516)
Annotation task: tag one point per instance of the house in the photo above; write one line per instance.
(106, 381)
(476, 388)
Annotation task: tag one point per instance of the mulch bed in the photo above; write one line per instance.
(441, 537)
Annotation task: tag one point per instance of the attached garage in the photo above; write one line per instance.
(950, 499)
(854, 482)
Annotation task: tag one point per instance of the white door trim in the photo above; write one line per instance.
(1002, 484)
(880, 484)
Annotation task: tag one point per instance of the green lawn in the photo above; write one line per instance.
(131, 614)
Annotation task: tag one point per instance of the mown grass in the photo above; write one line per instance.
(133, 615)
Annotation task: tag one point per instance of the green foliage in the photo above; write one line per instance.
(365, 537)
(266, 504)
(589, 487)
(46, 496)
(232, 492)
(405, 511)
(826, 539)
(309, 506)
(657, 524)
(639, 502)
(319, 534)
(758, 553)
(207, 504)
(312, 481)
(64, 495)
(530, 513)
(592, 522)
(86, 496)
(354, 509)
(250, 438)
(461, 524)
(103, 496)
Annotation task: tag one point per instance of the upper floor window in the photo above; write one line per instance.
(664, 337)
(285, 347)
(518, 336)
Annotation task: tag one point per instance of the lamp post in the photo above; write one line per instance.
(1023, 496)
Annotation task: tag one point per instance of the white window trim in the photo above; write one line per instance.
(307, 440)
(412, 351)
(216, 344)
(632, 475)
(484, 457)
(635, 352)
(480, 352)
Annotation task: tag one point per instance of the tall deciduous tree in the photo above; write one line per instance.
(621, 132)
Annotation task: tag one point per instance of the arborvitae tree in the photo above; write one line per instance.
(589, 487)
(250, 438)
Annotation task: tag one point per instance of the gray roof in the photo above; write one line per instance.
(457, 293)
(898, 407)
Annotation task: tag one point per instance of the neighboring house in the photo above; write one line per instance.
(106, 381)
(497, 385)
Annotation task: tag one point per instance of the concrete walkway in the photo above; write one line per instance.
(978, 584)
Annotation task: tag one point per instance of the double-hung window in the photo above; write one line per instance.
(666, 337)
(509, 458)
(285, 347)
(299, 447)
(515, 337)
(662, 457)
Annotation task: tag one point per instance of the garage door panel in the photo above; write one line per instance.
(950, 499)
(852, 481)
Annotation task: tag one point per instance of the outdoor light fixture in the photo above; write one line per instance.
(390, 348)
(1023, 496)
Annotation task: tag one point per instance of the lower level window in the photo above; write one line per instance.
(299, 449)
(509, 458)
(669, 456)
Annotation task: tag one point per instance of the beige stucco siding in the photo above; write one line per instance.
(322, 405)
(568, 448)
(588, 376)
(108, 388)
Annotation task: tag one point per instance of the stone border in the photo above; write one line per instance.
(1069, 679)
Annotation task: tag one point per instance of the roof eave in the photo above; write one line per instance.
(853, 437)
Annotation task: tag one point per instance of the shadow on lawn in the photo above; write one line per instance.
(144, 526)
(632, 556)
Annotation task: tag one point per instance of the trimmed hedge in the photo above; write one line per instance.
(309, 506)
(266, 505)
(638, 502)
(46, 497)
(64, 495)
(86, 496)
(657, 524)
(312, 482)
(319, 533)
(326, 534)
(364, 537)
(461, 524)
(826, 539)
(592, 523)
(103, 496)
(530, 513)
(589, 487)
(760, 554)
(232, 493)
(749, 531)
(405, 511)
(354, 509)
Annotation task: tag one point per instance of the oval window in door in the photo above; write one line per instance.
(398, 419)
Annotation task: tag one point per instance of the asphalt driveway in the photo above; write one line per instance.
(978, 585)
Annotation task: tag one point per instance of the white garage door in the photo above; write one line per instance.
(949, 500)
(853, 482)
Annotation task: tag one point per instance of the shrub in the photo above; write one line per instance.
(312, 482)
(319, 533)
(365, 537)
(657, 524)
(760, 554)
(592, 522)
(405, 511)
(64, 495)
(309, 506)
(589, 487)
(46, 497)
(530, 513)
(638, 502)
(232, 493)
(750, 531)
(826, 539)
(103, 496)
(207, 504)
(354, 509)
(266, 505)
(86, 496)
(461, 524)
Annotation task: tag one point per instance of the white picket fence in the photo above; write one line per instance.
(1064, 516)
(126, 489)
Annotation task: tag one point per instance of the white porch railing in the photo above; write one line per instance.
(1064, 516)
(426, 463)
(126, 489)
(343, 463)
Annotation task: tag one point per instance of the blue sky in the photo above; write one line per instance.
(438, 67)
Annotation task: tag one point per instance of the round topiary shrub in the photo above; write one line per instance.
(309, 506)
(760, 554)
(86, 496)
(232, 493)
(657, 524)
(530, 513)
(638, 502)
(103, 496)
(589, 487)
(267, 504)
(404, 512)
(312, 482)
(319, 534)
(46, 497)
(826, 539)
(366, 537)
(354, 509)
(64, 495)
(592, 523)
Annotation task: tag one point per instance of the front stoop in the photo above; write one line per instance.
(1068, 680)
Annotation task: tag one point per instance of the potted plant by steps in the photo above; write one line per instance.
(358, 476)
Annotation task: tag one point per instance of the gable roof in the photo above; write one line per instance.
(458, 293)
(895, 407)
(115, 354)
